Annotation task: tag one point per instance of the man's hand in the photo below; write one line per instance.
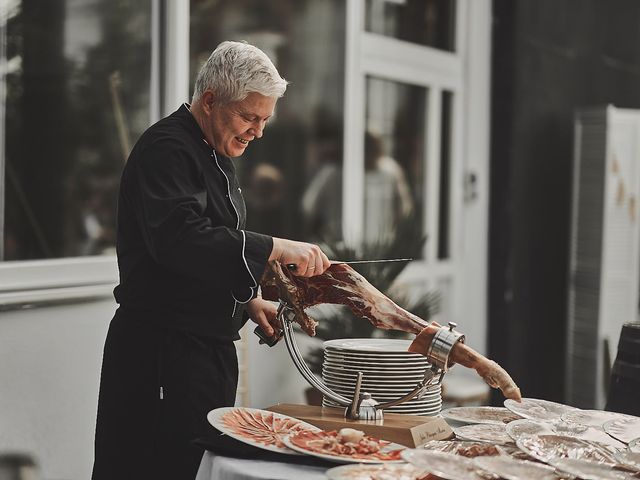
(307, 257)
(263, 313)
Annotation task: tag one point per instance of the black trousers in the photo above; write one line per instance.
(156, 388)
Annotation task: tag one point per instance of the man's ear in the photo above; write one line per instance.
(208, 101)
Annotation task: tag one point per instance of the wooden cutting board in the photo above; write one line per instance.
(409, 430)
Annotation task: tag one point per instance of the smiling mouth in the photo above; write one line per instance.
(242, 141)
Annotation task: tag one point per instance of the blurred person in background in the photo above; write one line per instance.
(387, 192)
(189, 273)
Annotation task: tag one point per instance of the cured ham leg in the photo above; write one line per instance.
(342, 285)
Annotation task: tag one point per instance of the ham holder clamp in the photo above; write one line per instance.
(337, 286)
(362, 406)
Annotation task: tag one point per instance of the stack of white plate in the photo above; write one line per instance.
(389, 372)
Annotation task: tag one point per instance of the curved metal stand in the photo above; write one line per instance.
(362, 406)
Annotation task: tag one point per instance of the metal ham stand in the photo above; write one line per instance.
(362, 406)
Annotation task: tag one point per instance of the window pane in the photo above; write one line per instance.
(77, 88)
(425, 22)
(291, 177)
(394, 160)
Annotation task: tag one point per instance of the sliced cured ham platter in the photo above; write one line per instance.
(337, 447)
(259, 428)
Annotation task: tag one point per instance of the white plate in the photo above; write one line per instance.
(553, 447)
(630, 459)
(399, 368)
(463, 448)
(532, 427)
(417, 412)
(592, 418)
(377, 376)
(411, 403)
(378, 356)
(537, 409)
(511, 469)
(623, 429)
(384, 379)
(217, 419)
(410, 368)
(378, 345)
(424, 402)
(634, 445)
(589, 470)
(482, 432)
(488, 415)
(385, 392)
(397, 392)
(345, 458)
(443, 465)
(528, 427)
(592, 434)
(385, 471)
(373, 370)
(408, 410)
(386, 356)
(374, 357)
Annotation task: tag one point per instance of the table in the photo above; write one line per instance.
(218, 467)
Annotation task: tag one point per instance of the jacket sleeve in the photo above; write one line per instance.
(168, 195)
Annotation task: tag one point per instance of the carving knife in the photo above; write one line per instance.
(292, 266)
(358, 262)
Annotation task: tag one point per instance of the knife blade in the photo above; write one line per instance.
(359, 262)
(293, 266)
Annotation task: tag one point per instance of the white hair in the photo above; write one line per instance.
(235, 69)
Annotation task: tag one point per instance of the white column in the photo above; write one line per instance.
(175, 55)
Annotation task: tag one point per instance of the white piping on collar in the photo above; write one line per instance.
(244, 237)
(228, 189)
(244, 259)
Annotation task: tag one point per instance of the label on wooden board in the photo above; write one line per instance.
(435, 429)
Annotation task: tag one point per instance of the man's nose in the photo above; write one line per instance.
(257, 130)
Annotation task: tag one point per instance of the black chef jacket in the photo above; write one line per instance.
(186, 268)
(182, 250)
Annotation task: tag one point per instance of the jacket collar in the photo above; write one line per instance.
(184, 114)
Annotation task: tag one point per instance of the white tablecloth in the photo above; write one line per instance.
(216, 467)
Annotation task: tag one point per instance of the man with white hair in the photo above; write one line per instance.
(189, 272)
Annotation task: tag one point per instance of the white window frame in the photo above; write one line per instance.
(26, 283)
(465, 73)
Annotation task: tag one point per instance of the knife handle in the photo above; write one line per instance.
(266, 339)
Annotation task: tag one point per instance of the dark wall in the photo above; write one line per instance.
(550, 57)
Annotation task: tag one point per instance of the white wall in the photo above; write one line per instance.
(273, 377)
(49, 375)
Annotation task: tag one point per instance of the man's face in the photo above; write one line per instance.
(234, 125)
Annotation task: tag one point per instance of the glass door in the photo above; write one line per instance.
(412, 101)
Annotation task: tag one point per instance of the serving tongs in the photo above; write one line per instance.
(362, 406)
